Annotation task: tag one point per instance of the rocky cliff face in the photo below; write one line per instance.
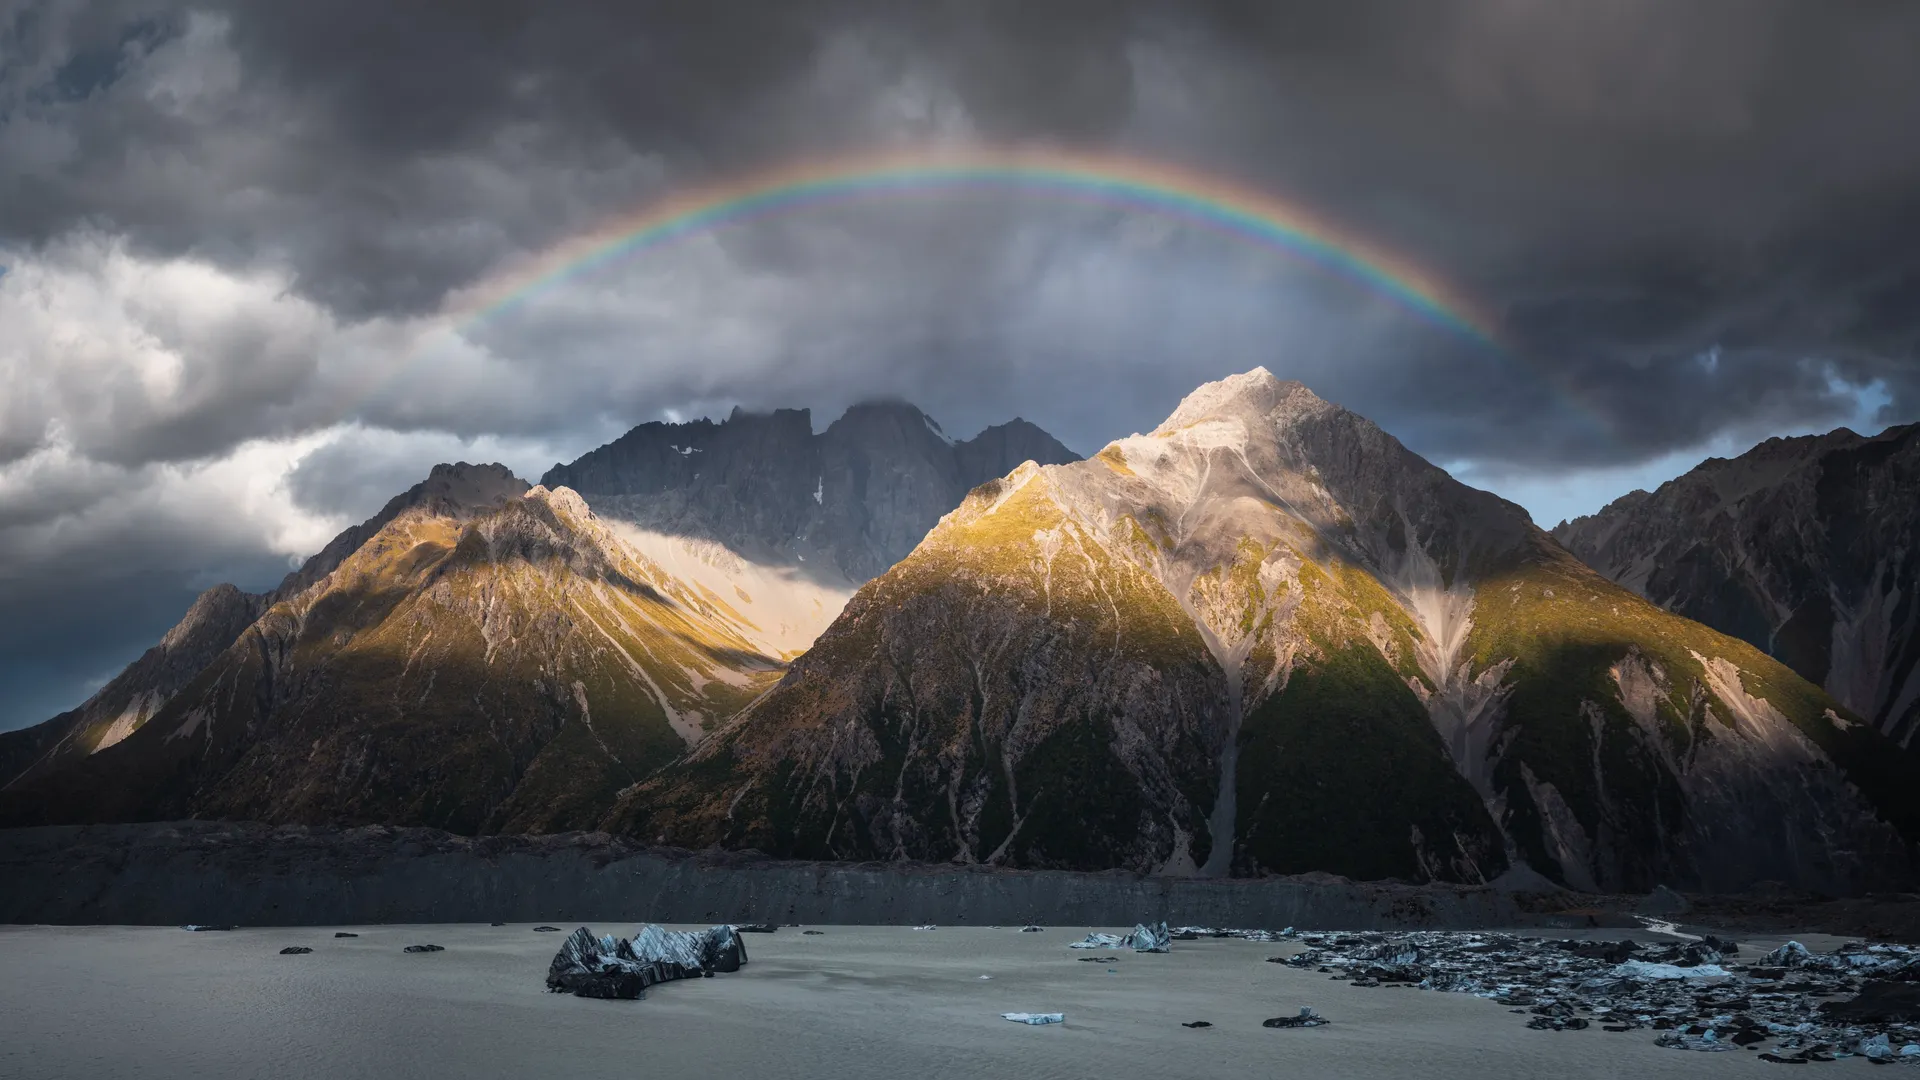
(481, 660)
(843, 505)
(1266, 637)
(1807, 548)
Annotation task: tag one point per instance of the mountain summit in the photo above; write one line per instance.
(1266, 637)
(850, 501)
(217, 619)
(480, 657)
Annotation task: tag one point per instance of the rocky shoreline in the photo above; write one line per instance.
(170, 873)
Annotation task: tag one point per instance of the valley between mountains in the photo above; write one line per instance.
(1263, 638)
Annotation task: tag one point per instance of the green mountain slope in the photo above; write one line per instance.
(1268, 638)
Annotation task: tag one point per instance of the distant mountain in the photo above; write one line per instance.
(118, 709)
(1266, 637)
(641, 637)
(846, 503)
(1808, 548)
(484, 658)
(215, 621)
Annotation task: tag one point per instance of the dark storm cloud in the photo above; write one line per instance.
(1629, 185)
(224, 221)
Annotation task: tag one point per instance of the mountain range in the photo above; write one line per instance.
(1263, 638)
(1808, 548)
(486, 656)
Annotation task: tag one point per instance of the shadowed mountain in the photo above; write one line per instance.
(1808, 548)
(845, 504)
(1266, 637)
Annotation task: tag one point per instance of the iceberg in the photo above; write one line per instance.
(1143, 938)
(1641, 969)
(609, 967)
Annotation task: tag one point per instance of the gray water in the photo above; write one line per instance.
(851, 1004)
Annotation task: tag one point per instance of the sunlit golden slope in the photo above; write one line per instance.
(1266, 637)
(501, 667)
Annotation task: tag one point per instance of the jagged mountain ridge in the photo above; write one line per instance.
(846, 503)
(218, 616)
(214, 622)
(486, 658)
(1268, 638)
(1805, 547)
(779, 602)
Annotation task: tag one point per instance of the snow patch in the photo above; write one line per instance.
(935, 428)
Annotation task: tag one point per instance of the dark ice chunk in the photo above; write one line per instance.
(1877, 1003)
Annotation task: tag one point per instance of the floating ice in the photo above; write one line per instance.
(608, 967)
(1641, 969)
(1143, 938)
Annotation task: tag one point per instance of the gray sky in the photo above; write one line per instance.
(237, 239)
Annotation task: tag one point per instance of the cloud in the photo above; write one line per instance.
(243, 243)
(98, 559)
(128, 359)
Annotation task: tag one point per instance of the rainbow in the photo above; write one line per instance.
(1124, 182)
